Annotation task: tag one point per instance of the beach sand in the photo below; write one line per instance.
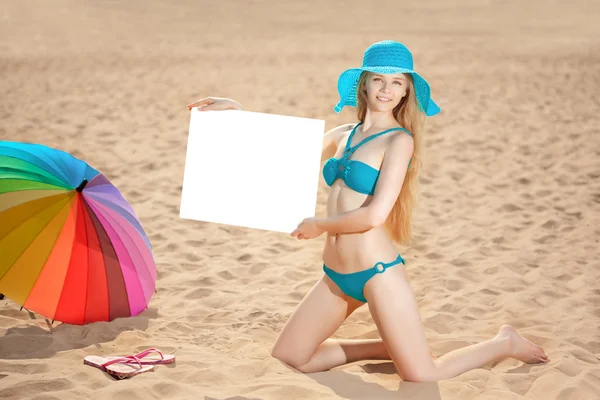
(506, 229)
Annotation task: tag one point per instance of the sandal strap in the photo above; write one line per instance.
(148, 351)
(124, 360)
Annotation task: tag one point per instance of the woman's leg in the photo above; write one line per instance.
(302, 343)
(506, 343)
(394, 310)
(335, 352)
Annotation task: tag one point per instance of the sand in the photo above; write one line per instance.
(506, 229)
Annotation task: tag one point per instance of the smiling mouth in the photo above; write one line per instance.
(383, 99)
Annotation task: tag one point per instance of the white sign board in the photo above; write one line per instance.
(251, 169)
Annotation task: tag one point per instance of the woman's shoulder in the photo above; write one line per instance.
(345, 127)
(400, 141)
(336, 133)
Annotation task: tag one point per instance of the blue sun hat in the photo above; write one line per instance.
(385, 57)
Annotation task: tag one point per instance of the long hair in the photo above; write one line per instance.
(398, 222)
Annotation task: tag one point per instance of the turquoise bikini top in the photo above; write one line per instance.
(357, 175)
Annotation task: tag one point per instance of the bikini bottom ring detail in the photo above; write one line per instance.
(353, 284)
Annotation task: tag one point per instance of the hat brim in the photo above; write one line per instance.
(348, 81)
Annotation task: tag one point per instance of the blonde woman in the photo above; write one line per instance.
(372, 168)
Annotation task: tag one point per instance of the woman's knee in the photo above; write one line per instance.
(288, 357)
(296, 363)
(317, 316)
(429, 375)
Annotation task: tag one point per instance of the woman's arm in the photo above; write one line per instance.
(362, 219)
(389, 183)
(330, 139)
(356, 221)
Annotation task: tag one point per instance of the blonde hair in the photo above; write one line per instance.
(398, 222)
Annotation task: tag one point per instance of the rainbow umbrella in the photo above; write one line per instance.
(71, 247)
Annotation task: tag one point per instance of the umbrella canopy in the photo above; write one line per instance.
(71, 247)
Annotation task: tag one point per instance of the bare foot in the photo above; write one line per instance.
(521, 348)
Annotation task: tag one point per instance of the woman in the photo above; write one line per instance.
(372, 170)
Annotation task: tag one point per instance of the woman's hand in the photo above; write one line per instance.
(308, 229)
(215, 103)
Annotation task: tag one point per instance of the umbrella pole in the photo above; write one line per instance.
(82, 185)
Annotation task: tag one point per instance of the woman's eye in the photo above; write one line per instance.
(378, 79)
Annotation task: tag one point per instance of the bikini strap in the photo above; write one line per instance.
(347, 147)
(350, 150)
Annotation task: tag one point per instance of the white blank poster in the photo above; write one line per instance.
(251, 169)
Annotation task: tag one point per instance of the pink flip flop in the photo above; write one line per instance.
(153, 360)
(146, 359)
(119, 367)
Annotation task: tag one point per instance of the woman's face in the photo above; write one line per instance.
(384, 92)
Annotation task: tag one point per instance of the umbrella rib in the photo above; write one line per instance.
(35, 156)
(137, 225)
(63, 166)
(41, 178)
(60, 197)
(51, 186)
(137, 269)
(68, 204)
(33, 240)
(95, 229)
(105, 202)
(15, 198)
(107, 242)
(87, 242)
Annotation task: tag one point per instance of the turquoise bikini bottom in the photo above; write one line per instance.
(353, 284)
